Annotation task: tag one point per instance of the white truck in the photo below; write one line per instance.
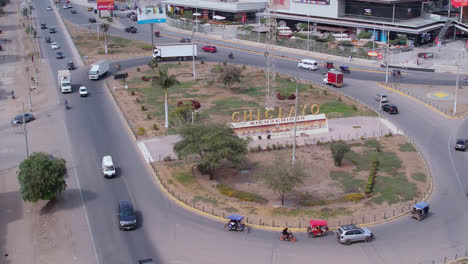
(64, 81)
(98, 69)
(175, 51)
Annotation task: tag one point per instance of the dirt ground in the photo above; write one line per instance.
(88, 45)
(217, 102)
(317, 186)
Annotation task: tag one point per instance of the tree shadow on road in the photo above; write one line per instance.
(70, 199)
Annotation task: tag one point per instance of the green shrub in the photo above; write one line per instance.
(140, 131)
(132, 92)
(354, 197)
(143, 108)
(371, 179)
(241, 195)
(203, 168)
(155, 127)
(365, 35)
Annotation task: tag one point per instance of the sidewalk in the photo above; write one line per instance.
(156, 149)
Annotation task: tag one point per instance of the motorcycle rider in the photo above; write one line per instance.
(231, 55)
(286, 233)
(66, 104)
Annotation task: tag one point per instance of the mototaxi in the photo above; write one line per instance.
(235, 223)
(420, 211)
(317, 228)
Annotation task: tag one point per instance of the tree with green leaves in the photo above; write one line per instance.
(230, 75)
(165, 81)
(211, 143)
(338, 150)
(41, 177)
(282, 178)
(182, 114)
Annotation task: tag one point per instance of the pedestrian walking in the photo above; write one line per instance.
(417, 61)
(350, 57)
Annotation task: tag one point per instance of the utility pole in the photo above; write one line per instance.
(380, 108)
(386, 57)
(193, 52)
(295, 124)
(152, 36)
(28, 86)
(308, 32)
(25, 134)
(456, 86)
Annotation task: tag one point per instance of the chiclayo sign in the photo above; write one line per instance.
(280, 124)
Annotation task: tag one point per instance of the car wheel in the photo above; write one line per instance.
(347, 242)
(368, 239)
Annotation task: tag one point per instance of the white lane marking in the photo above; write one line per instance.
(87, 218)
(144, 151)
(453, 165)
(391, 126)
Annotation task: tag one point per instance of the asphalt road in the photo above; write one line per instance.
(171, 234)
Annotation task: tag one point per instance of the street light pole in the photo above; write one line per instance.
(386, 57)
(308, 32)
(380, 107)
(295, 124)
(456, 86)
(193, 53)
(25, 134)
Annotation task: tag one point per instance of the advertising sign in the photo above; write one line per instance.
(316, 2)
(371, 53)
(105, 4)
(149, 12)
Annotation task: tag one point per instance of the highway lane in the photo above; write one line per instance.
(239, 50)
(177, 236)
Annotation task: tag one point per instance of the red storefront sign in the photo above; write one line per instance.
(105, 4)
(371, 53)
(458, 3)
(380, 56)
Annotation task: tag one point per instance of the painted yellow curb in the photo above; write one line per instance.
(419, 101)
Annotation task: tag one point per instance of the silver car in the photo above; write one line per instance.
(348, 234)
(382, 98)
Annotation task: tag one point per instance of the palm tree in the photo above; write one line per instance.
(165, 81)
(105, 27)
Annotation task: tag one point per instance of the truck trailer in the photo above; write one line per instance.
(175, 52)
(334, 78)
(98, 69)
(64, 81)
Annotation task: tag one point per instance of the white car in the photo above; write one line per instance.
(382, 98)
(54, 45)
(49, 8)
(83, 91)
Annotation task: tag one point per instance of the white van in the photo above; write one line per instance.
(108, 167)
(308, 64)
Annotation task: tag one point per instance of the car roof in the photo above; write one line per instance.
(421, 205)
(349, 227)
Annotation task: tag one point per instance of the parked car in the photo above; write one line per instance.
(185, 40)
(348, 234)
(73, 11)
(43, 26)
(19, 118)
(60, 55)
(131, 29)
(92, 20)
(52, 30)
(122, 8)
(49, 8)
(130, 14)
(71, 65)
(390, 108)
(211, 49)
(382, 98)
(54, 45)
(461, 144)
(133, 17)
(83, 91)
(127, 216)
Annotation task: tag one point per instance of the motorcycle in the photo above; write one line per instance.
(235, 223)
(117, 67)
(291, 238)
(231, 56)
(66, 105)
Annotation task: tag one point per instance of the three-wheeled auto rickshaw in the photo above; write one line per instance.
(235, 223)
(397, 74)
(328, 65)
(344, 69)
(317, 228)
(420, 211)
(157, 33)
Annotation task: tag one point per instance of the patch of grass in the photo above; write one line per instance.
(337, 109)
(109, 51)
(323, 213)
(234, 103)
(394, 189)
(348, 182)
(241, 195)
(230, 209)
(119, 40)
(372, 143)
(204, 199)
(388, 161)
(256, 92)
(421, 177)
(184, 178)
(407, 147)
(193, 90)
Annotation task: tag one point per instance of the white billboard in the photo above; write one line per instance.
(149, 12)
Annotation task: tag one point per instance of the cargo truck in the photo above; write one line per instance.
(334, 78)
(64, 81)
(98, 69)
(175, 52)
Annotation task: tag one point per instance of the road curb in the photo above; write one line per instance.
(419, 101)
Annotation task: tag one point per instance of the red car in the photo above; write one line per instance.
(211, 49)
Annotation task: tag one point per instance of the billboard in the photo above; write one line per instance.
(149, 12)
(105, 5)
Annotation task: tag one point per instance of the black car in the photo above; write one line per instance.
(390, 108)
(52, 30)
(60, 55)
(73, 11)
(185, 40)
(19, 118)
(43, 26)
(461, 144)
(131, 29)
(130, 14)
(127, 216)
(92, 20)
(71, 65)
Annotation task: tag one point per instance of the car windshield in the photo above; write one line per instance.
(460, 142)
(126, 212)
(93, 72)
(340, 230)
(108, 168)
(66, 84)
